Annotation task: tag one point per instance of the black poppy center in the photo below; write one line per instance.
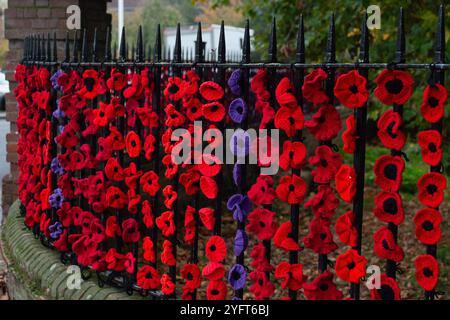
(427, 272)
(389, 129)
(215, 292)
(386, 292)
(323, 287)
(214, 108)
(212, 248)
(173, 89)
(291, 154)
(102, 114)
(260, 282)
(167, 223)
(148, 275)
(431, 188)
(240, 110)
(432, 147)
(433, 102)
(385, 244)
(353, 89)
(324, 163)
(291, 187)
(427, 225)
(132, 230)
(351, 265)
(89, 83)
(322, 236)
(189, 276)
(262, 224)
(390, 206)
(390, 171)
(394, 86)
(194, 109)
(236, 275)
(133, 143)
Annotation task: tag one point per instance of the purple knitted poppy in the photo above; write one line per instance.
(237, 174)
(56, 198)
(237, 276)
(240, 205)
(240, 242)
(233, 82)
(56, 167)
(55, 230)
(54, 79)
(240, 143)
(237, 110)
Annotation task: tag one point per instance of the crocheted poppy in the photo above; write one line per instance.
(210, 165)
(323, 203)
(430, 142)
(326, 163)
(325, 124)
(389, 130)
(388, 207)
(116, 198)
(427, 271)
(209, 187)
(166, 223)
(322, 288)
(393, 86)
(240, 242)
(207, 217)
(174, 118)
(167, 256)
(189, 225)
(388, 172)
(149, 146)
(170, 196)
(284, 94)
(389, 289)
(431, 189)
(211, 91)
(282, 239)
(320, 238)
(191, 274)
(346, 183)
(213, 111)
(117, 80)
(148, 278)
(291, 189)
(167, 285)
(291, 275)
(313, 87)
(262, 191)
(385, 245)
(192, 108)
(237, 276)
(213, 271)
(92, 85)
(116, 138)
(148, 250)
(289, 120)
(216, 249)
(259, 260)
(174, 89)
(261, 286)
(216, 290)
(350, 266)
(293, 156)
(346, 230)
(433, 105)
(261, 223)
(234, 82)
(349, 135)
(149, 183)
(130, 231)
(133, 144)
(350, 89)
(427, 223)
(237, 110)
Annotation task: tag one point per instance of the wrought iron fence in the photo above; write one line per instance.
(140, 115)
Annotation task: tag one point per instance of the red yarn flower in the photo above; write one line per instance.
(324, 203)
(320, 238)
(216, 290)
(386, 247)
(431, 189)
(191, 274)
(433, 106)
(322, 288)
(166, 223)
(289, 120)
(133, 144)
(130, 231)
(213, 111)
(325, 124)
(393, 86)
(261, 286)
(350, 266)
(350, 89)
(430, 142)
(262, 191)
(216, 249)
(389, 289)
(149, 183)
(291, 275)
(313, 87)
(327, 164)
(291, 189)
(428, 223)
(293, 156)
(346, 230)
(388, 172)
(261, 223)
(346, 183)
(349, 135)
(388, 207)
(427, 271)
(282, 239)
(211, 91)
(148, 278)
(389, 130)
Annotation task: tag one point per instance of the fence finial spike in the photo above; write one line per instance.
(331, 42)
(42, 56)
(199, 54)
(221, 56)
(300, 54)
(273, 41)
(108, 53)
(95, 46)
(140, 46)
(75, 47)
(177, 48)
(158, 43)
(55, 48)
(246, 43)
(84, 48)
(439, 56)
(364, 42)
(400, 50)
(33, 47)
(67, 48)
(123, 45)
(48, 57)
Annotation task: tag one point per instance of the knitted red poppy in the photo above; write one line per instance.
(193, 109)
(282, 239)
(261, 286)
(388, 207)
(216, 249)
(393, 86)
(350, 89)
(210, 166)
(323, 203)
(175, 88)
(116, 137)
(207, 217)
(322, 288)
(430, 142)
(211, 91)
(313, 87)
(147, 214)
(171, 167)
(117, 80)
(319, 238)
(148, 117)
(148, 278)
(385, 245)
(174, 118)
(389, 289)
(433, 105)
(389, 130)
(148, 250)
(262, 191)
(428, 230)
(133, 144)
(104, 114)
(261, 223)
(346, 183)
(289, 120)
(167, 285)
(213, 111)
(130, 231)
(350, 266)
(216, 290)
(284, 94)
(427, 271)
(133, 200)
(431, 189)
(93, 85)
(291, 189)
(326, 163)
(166, 223)
(191, 274)
(167, 256)
(189, 225)
(291, 275)
(293, 156)
(325, 124)
(349, 135)
(209, 187)
(116, 198)
(191, 182)
(132, 176)
(346, 230)
(213, 271)
(149, 183)
(388, 172)
(113, 170)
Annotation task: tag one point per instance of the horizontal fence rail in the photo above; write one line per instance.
(98, 183)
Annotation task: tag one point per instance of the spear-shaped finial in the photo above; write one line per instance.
(177, 49)
(75, 47)
(158, 44)
(84, 49)
(439, 52)
(95, 46)
(108, 53)
(246, 43)
(140, 56)
(400, 49)
(300, 54)
(221, 55)
(123, 46)
(55, 48)
(364, 41)
(273, 41)
(199, 52)
(331, 42)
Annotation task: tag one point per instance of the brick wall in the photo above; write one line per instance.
(25, 17)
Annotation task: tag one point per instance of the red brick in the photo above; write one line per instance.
(44, 13)
(20, 3)
(41, 3)
(29, 12)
